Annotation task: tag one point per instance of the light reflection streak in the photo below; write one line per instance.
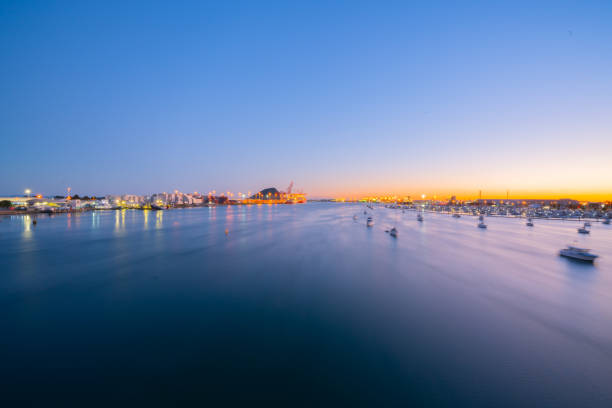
(119, 220)
(146, 219)
(95, 220)
(27, 227)
(159, 219)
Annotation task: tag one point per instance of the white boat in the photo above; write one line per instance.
(583, 230)
(393, 232)
(370, 222)
(581, 254)
(529, 222)
(420, 218)
(481, 224)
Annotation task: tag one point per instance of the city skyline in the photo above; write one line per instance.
(414, 195)
(373, 99)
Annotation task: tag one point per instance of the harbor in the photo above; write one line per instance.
(58, 204)
(487, 312)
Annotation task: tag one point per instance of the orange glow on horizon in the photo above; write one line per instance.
(603, 196)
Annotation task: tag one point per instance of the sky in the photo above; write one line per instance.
(345, 98)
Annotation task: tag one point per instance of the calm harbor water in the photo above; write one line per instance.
(301, 306)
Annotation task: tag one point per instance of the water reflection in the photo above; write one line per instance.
(27, 227)
(159, 219)
(120, 220)
(443, 302)
(95, 220)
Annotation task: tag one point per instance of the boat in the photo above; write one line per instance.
(581, 254)
(155, 207)
(481, 224)
(583, 230)
(529, 222)
(420, 218)
(393, 232)
(587, 224)
(455, 215)
(606, 221)
(370, 222)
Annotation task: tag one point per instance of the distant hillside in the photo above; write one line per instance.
(270, 192)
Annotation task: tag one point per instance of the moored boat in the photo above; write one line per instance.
(581, 254)
(583, 230)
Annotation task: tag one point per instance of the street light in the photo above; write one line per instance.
(28, 191)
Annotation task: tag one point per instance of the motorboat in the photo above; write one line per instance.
(581, 254)
(529, 222)
(420, 217)
(583, 230)
(370, 222)
(393, 232)
(481, 224)
(455, 215)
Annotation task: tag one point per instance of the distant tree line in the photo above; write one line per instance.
(5, 204)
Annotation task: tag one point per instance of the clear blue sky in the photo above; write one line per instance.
(341, 97)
